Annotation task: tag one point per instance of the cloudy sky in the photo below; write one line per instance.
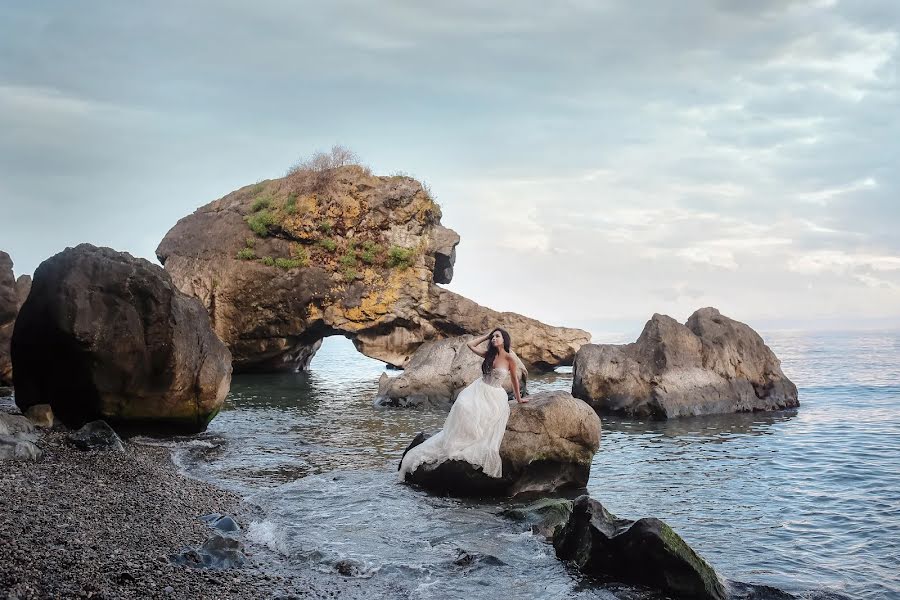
(601, 160)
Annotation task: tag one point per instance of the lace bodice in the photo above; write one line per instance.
(495, 377)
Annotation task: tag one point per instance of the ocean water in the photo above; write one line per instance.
(806, 500)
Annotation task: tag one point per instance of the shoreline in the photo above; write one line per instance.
(102, 524)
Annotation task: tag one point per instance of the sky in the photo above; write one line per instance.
(601, 161)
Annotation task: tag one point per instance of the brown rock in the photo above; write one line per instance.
(9, 307)
(436, 373)
(548, 446)
(367, 254)
(41, 415)
(108, 336)
(711, 365)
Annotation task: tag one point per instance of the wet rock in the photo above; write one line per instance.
(548, 446)
(218, 552)
(436, 373)
(41, 415)
(644, 552)
(96, 435)
(18, 447)
(711, 365)
(108, 336)
(467, 559)
(545, 516)
(223, 523)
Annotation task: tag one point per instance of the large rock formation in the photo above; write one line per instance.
(436, 373)
(108, 336)
(548, 445)
(12, 295)
(646, 552)
(711, 365)
(283, 263)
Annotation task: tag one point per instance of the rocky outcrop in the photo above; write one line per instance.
(9, 307)
(548, 445)
(281, 264)
(17, 438)
(711, 365)
(645, 552)
(109, 336)
(436, 373)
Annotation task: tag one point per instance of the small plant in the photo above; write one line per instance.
(329, 244)
(268, 261)
(350, 274)
(290, 206)
(326, 227)
(261, 203)
(299, 253)
(260, 222)
(287, 263)
(348, 260)
(367, 256)
(246, 254)
(400, 257)
(250, 242)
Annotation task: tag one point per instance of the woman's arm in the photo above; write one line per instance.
(514, 376)
(477, 342)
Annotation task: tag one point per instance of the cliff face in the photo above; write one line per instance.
(283, 263)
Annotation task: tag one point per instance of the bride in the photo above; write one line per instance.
(477, 420)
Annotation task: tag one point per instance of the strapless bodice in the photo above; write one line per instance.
(495, 377)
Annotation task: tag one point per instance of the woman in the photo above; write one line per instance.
(477, 420)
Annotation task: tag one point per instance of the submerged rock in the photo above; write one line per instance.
(281, 264)
(545, 515)
(217, 552)
(109, 336)
(96, 435)
(711, 365)
(436, 373)
(548, 445)
(644, 552)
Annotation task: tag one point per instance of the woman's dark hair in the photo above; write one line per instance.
(488, 363)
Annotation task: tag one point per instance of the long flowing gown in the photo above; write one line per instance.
(473, 429)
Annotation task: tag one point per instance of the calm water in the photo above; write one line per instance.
(806, 500)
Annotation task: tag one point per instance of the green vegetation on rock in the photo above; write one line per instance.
(246, 254)
(288, 263)
(268, 261)
(260, 203)
(400, 257)
(329, 244)
(290, 205)
(326, 227)
(260, 222)
(348, 260)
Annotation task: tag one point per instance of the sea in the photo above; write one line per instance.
(806, 501)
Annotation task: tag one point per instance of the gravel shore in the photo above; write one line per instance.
(101, 524)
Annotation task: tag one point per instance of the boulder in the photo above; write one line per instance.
(9, 307)
(548, 446)
(645, 552)
(41, 415)
(96, 435)
(436, 373)
(18, 447)
(108, 336)
(711, 365)
(281, 264)
(14, 424)
(217, 552)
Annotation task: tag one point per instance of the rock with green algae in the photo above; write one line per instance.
(366, 255)
(545, 515)
(644, 552)
(108, 336)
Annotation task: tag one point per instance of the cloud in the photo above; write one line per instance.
(614, 159)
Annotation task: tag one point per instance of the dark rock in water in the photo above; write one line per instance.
(348, 568)
(420, 437)
(108, 336)
(18, 447)
(644, 552)
(710, 365)
(545, 515)
(218, 552)
(221, 522)
(747, 591)
(96, 435)
(548, 446)
(467, 559)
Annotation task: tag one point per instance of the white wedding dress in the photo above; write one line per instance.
(473, 429)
